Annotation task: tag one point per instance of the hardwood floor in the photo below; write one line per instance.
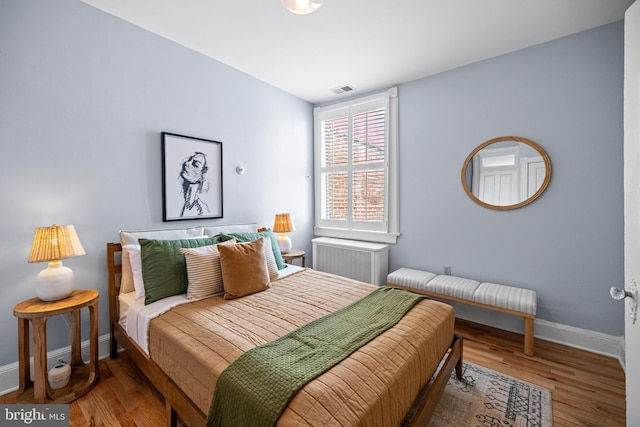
(588, 389)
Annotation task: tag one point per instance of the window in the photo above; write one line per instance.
(355, 169)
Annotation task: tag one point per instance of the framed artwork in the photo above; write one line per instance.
(191, 178)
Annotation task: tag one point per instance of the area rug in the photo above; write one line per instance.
(486, 398)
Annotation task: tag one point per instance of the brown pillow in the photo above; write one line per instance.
(244, 269)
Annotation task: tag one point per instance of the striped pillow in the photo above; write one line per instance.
(272, 264)
(204, 273)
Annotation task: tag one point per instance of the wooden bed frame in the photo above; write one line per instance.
(177, 404)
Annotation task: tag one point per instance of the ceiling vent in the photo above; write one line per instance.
(343, 89)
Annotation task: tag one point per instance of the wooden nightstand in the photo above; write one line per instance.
(83, 377)
(293, 254)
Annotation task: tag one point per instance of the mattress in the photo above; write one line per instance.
(193, 343)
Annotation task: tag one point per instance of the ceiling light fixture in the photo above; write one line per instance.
(302, 7)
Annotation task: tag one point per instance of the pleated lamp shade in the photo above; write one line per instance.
(282, 225)
(53, 244)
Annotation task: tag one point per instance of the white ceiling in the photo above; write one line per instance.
(368, 44)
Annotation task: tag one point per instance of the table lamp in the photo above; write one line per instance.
(53, 244)
(283, 224)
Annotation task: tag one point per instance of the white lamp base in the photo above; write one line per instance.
(284, 242)
(54, 282)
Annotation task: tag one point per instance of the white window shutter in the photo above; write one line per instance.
(353, 158)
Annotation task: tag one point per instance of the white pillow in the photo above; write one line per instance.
(204, 274)
(133, 252)
(212, 230)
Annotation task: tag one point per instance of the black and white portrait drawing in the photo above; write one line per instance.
(192, 178)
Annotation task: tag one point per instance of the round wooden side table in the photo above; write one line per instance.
(293, 254)
(83, 377)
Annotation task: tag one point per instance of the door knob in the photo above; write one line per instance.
(632, 293)
(619, 293)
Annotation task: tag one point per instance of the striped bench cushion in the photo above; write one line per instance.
(452, 286)
(509, 297)
(411, 278)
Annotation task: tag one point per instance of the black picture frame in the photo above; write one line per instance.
(191, 178)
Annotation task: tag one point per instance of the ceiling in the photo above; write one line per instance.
(368, 44)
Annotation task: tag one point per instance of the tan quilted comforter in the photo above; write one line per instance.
(193, 343)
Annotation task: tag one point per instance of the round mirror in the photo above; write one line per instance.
(506, 173)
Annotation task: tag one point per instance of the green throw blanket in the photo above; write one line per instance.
(255, 389)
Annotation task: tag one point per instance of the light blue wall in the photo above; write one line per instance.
(566, 95)
(83, 99)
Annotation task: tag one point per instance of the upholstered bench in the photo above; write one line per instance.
(507, 299)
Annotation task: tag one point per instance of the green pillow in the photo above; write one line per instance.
(164, 268)
(250, 237)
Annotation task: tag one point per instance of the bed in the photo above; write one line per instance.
(183, 344)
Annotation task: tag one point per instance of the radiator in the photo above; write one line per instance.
(364, 261)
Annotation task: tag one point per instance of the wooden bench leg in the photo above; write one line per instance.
(528, 336)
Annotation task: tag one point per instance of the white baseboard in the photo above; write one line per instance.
(9, 373)
(596, 342)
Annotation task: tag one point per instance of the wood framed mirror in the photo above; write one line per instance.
(506, 173)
